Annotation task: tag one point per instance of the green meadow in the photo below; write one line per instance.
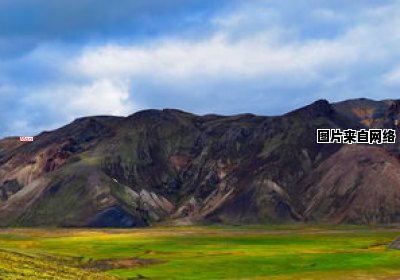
(200, 253)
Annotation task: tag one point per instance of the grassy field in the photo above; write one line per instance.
(200, 253)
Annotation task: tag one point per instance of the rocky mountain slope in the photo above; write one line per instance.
(173, 167)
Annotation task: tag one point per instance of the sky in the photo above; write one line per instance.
(65, 59)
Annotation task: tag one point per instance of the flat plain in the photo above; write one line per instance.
(215, 252)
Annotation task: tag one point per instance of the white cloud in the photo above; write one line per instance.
(101, 97)
(217, 57)
(265, 54)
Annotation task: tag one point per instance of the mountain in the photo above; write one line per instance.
(173, 167)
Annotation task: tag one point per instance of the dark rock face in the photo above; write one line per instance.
(9, 188)
(115, 217)
(171, 166)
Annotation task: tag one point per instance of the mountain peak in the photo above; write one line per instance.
(319, 108)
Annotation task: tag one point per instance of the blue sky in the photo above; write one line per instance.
(64, 59)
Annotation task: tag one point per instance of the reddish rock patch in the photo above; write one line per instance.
(179, 162)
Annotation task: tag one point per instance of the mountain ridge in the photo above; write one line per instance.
(171, 166)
